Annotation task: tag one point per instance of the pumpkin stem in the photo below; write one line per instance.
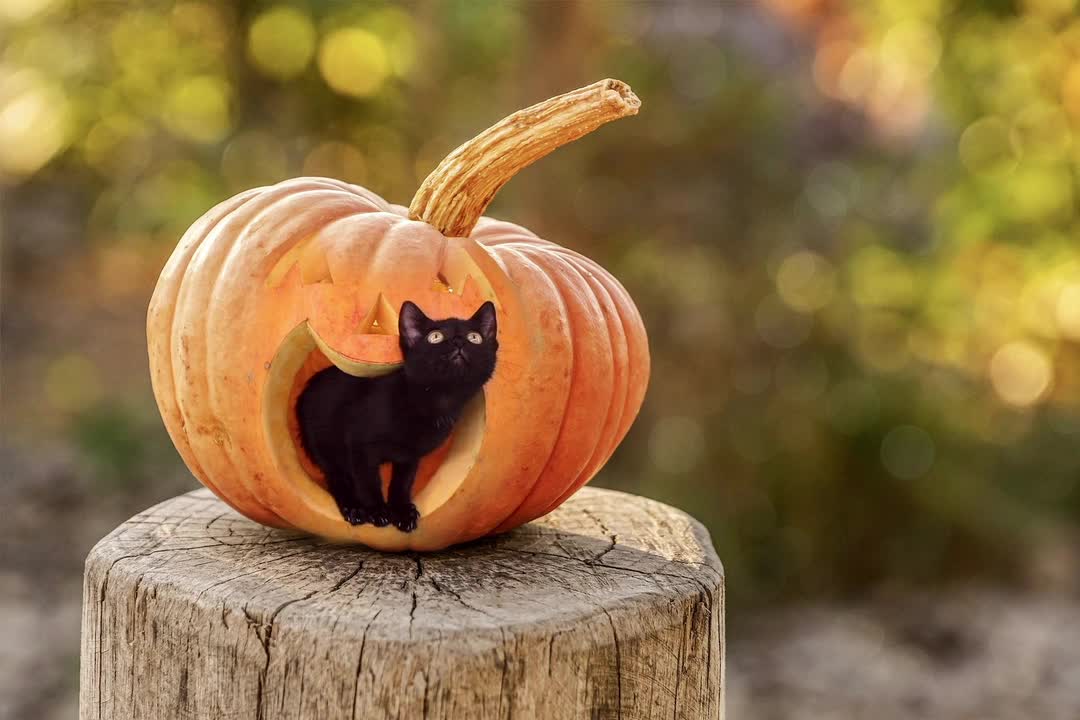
(456, 193)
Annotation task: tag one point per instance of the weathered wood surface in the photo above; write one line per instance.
(610, 607)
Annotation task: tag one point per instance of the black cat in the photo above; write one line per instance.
(350, 425)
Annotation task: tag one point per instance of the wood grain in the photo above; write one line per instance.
(610, 607)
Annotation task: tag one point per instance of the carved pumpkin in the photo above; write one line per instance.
(276, 283)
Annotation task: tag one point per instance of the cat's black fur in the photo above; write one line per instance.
(350, 425)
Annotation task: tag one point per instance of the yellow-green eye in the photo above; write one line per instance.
(435, 337)
(474, 338)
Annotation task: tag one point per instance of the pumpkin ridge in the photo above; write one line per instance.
(638, 356)
(205, 246)
(211, 392)
(240, 215)
(621, 299)
(620, 396)
(558, 435)
(562, 441)
(358, 190)
(188, 453)
(566, 275)
(618, 384)
(315, 182)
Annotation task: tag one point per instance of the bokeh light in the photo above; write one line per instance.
(806, 281)
(1070, 90)
(281, 41)
(353, 62)
(1068, 311)
(1021, 373)
(197, 108)
(34, 123)
(15, 11)
(986, 147)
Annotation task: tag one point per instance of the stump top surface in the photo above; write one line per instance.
(601, 551)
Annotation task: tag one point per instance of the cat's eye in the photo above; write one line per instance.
(474, 338)
(435, 337)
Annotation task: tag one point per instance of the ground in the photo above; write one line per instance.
(971, 653)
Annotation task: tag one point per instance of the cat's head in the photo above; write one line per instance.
(450, 350)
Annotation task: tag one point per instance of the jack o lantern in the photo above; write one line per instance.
(279, 282)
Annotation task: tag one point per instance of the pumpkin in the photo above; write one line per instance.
(278, 282)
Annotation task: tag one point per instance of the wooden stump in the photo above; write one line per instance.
(610, 607)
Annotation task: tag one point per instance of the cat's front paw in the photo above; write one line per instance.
(379, 516)
(354, 514)
(404, 517)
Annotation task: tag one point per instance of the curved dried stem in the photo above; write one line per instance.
(456, 193)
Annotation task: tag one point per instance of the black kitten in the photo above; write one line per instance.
(351, 425)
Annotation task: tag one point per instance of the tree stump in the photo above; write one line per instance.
(610, 607)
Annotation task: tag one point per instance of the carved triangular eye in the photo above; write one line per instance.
(381, 319)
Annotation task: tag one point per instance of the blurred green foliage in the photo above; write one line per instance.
(851, 229)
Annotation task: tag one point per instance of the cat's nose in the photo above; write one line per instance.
(458, 342)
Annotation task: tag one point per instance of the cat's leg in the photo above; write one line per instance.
(340, 484)
(367, 484)
(403, 512)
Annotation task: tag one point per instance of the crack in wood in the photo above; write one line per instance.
(360, 660)
(618, 661)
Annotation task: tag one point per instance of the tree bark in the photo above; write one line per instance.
(610, 607)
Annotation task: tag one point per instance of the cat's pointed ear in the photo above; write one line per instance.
(484, 319)
(412, 322)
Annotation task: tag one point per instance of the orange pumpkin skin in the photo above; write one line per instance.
(270, 283)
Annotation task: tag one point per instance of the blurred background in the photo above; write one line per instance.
(852, 229)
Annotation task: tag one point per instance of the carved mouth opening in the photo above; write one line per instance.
(303, 354)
